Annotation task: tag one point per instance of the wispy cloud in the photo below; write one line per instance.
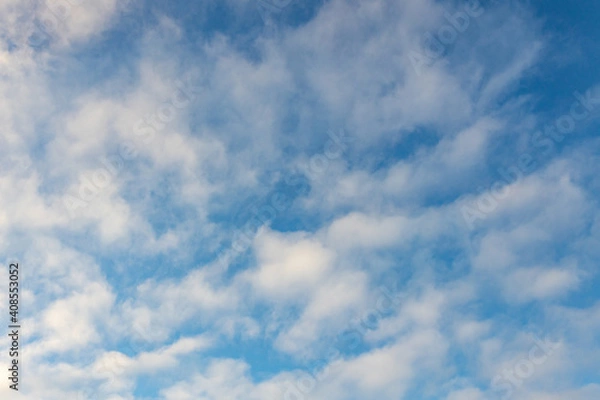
(300, 200)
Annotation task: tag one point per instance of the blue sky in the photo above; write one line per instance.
(286, 199)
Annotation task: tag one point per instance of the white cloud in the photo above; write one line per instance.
(540, 283)
(289, 267)
(228, 124)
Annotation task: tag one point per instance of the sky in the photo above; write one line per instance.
(300, 199)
